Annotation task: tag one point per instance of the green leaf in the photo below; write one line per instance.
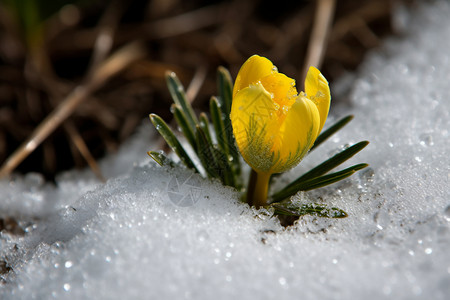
(323, 168)
(206, 155)
(224, 134)
(314, 209)
(331, 163)
(316, 182)
(204, 124)
(182, 121)
(219, 126)
(226, 173)
(332, 130)
(331, 178)
(213, 160)
(225, 88)
(231, 166)
(176, 89)
(172, 140)
(160, 158)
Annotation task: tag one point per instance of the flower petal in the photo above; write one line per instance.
(296, 135)
(317, 89)
(255, 68)
(254, 126)
(270, 141)
(282, 88)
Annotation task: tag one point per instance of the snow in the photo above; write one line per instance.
(139, 237)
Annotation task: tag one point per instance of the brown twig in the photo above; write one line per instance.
(362, 16)
(231, 30)
(292, 31)
(39, 71)
(110, 67)
(196, 83)
(108, 25)
(82, 148)
(318, 40)
(102, 47)
(184, 23)
(161, 29)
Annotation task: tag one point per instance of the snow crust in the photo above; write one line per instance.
(159, 233)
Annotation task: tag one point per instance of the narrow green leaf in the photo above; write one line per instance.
(182, 121)
(204, 124)
(316, 182)
(225, 88)
(219, 126)
(233, 152)
(176, 89)
(206, 154)
(331, 178)
(332, 130)
(330, 163)
(172, 140)
(225, 171)
(235, 157)
(231, 164)
(160, 158)
(213, 160)
(314, 209)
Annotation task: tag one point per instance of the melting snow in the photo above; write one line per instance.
(159, 233)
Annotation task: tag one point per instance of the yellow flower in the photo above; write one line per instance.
(274, 126)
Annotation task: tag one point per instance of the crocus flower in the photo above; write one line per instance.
(273, 125)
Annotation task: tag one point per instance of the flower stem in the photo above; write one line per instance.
(258, 187)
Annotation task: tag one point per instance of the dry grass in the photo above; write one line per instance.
(100, 70)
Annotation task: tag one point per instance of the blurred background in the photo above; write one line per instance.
(86, 73)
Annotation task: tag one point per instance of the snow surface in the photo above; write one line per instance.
(137, 237)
